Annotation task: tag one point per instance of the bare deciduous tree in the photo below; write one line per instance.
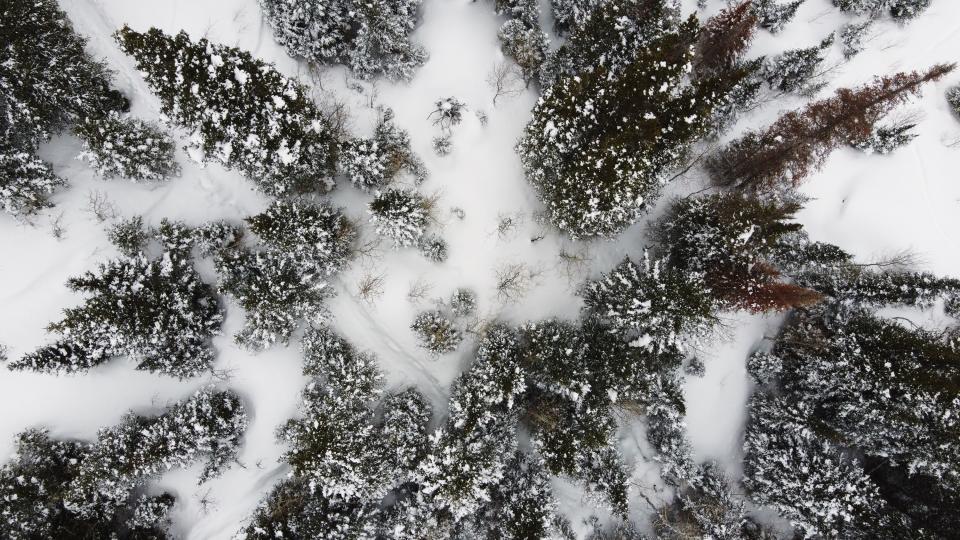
(505, 80)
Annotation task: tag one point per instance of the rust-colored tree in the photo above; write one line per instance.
(725, 37)
(798, 143)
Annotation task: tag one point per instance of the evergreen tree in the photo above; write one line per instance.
(734, 241)
(371, 37)
(400, 215)
(436, 332)
(650, 300)
(887, 138)
(156, 311)
(705, 508)
(66, 489)
(907, 9)
(725, 37)
(521, 505)
(774, 15)
(877, 386)
(865, 287)
(469, 454)
(953, 98)
(26, 182)
(617, 117)
(852, 36)
(243, 113)
(570, 14)
(521, 37)
(128, 148)
(48, 82)
(798, 70)
(810, 482)
(463, 302)
(433, 248)
(372, 163)
(785, 153)
(32, 488)
(207, 426)
(285, 279)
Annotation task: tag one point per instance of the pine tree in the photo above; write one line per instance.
(862, 7)
(285, 279)
(463, 302)
(725, 37)
(887, 138)
(734, 241)
(865, 287)
(877, 386)
(32, 486)
(907, 9)
(433, 247)
(371, 37)
(953, 98)
(798, 70)
(243, 113)
(617, 117)
(785, 153)
(128, 148)
(400, 215)
(774, 15)
(436, 332)
(158, 312)
(372, 163)
(570, 14)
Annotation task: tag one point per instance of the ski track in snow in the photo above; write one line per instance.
(865, 204)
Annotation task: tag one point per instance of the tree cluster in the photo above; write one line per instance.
(373, 163)
(522, 38)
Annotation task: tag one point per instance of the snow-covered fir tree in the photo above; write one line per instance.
(953, 98)
(521, 37)
(128, 148)
(704, 508)
(433, 247)
(32, 485)
(887, 138)
(852, 36)
(371, 37)
(436, 333)
(67, 489)
(209, 426)
(241, 111)
(650, 301)
(463, 302)
(48, 82)
(372, 163)
(798, 70)
(809, 481)
(864, 286)
(156, 311)
(400, 215)
(619, 114)
(284, 280)
(898, 9)
(569, 14)
(773, 15)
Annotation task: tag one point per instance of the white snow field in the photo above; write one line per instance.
(870, 205)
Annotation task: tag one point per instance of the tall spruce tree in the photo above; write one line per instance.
(241, 111)
(618, 115)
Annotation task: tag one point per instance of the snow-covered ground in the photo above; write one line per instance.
(868, 205)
